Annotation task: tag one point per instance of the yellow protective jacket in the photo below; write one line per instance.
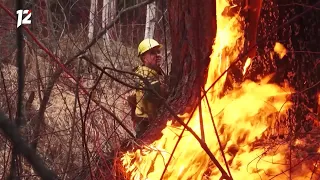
(147, 101)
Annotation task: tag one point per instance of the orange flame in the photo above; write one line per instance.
(280, 50)
(299, 142)
(241, 117)
(246, 65)
(318, 108)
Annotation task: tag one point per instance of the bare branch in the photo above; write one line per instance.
(11, 132)
(62, 68)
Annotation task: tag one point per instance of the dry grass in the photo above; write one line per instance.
(63, 122)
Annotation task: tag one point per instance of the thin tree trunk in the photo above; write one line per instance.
(93, 8)
(106, 18)
(150, 20)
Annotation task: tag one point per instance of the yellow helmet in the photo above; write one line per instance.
(146, 45)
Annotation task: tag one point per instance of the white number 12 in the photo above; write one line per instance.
(25, 20)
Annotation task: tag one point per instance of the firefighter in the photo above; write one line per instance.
(146, 101)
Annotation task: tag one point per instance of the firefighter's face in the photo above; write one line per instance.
(152, 58)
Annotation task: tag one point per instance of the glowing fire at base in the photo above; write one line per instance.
(241, 117)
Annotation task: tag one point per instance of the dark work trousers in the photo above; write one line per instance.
(141, 126)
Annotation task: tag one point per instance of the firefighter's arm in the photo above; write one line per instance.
(160, 86)
(152, 88)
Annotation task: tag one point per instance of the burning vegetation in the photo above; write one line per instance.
(230, 123)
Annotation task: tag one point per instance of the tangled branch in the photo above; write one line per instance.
(12, 133)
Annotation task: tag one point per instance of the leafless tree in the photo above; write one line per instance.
(150, 20)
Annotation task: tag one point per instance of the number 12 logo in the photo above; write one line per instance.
(25, 20)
